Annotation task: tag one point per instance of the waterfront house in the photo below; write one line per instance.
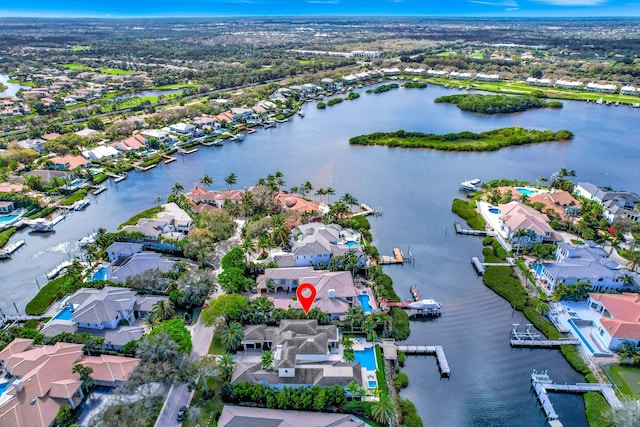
(6, 207)
(395, 71)
(171, 223)
(102, 308)
(628, 90)
(335, 291)
(304, 353)
(532, 81)
(515, 216)
(585, 263)
(136, 264)
(459, 76)
(437, 73)
(201, 198)
(122, 250)
(315, 243)
(69, 162)
(603, 88)
(132, 143)
(242, 114)
(559, 201)
(293, 202)
(41, 380)
(620, 318)
(237, 416)
(349, 79)
(616, 204)
(414, 71)
(564, 84)
(100, 152)
(159, 134)
(183, 128)
(47, 174)
(481, 77)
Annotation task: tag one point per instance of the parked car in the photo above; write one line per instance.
(182, 412)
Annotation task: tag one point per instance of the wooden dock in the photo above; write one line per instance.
(478, 265)
(9, 250)
(397, 258)
(429, 350)
(542, 385)
(534, 340)
(168, 159)
(460, 230)
(367, 210)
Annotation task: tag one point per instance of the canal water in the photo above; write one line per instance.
(12, 88)
(489, 384)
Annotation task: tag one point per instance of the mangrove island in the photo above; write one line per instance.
(494, 104)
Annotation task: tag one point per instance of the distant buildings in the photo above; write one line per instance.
(616, 204)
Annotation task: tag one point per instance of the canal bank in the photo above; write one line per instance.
(489, 384)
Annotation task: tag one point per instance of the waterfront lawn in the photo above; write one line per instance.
(400, 328)
(149, 213)
(381, 376)
(463, 141)
(46, 296)
(5, 235)
(627, 378)
(78, 195)
(464, 210)
(596, 408)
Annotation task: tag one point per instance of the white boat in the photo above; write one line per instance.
(121, 177)
(81, 204)
(425, 304)
(87, 240)
(301, 113)
(41, 226)
(58, 269)
(471, 185)
(99, 189)
(9, 250)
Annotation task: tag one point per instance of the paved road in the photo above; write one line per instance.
(179, 395)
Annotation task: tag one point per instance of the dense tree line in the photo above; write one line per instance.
(493, 104)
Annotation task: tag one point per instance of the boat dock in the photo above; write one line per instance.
(54, 273)
(429, 350)
(367, 210)
(168, 159)
(397, 258)
(542, 385)
(528, 338)
(9, 250)
(99, 189)
(116, 177)
(478, 265)
(460, 230)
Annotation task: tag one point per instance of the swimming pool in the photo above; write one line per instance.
(147, 152)
(538, 269)
(366, 358)
(494, 210)
(373, 384)
(525, 191)
(7, 218)
(3, 387)
(65, 314)
(364, 303)
(100, 274)
(351, 243)
(75, 183)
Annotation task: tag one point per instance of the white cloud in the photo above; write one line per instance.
(573, 2)
(505, 3)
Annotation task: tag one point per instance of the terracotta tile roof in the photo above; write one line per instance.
(70, 162)
(518, 216)
(110, 368)
(625, 314)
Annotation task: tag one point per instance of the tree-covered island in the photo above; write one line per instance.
(494, 104)
(463, 141)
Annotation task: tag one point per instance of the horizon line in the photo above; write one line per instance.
(346, 15)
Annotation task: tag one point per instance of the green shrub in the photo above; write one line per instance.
(465, 211)
(334, 101)
(400, 329)
(402, 358)
(401, 381)
(321, 105)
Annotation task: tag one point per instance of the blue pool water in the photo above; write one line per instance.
(147, 152)
(75, 183)
(494, 210)
(7, 218)
(525, 191)
(364, 302)
(351, 244)
(65, 314)
(3, 387)
(366, 358)
(100, 274)
(372, 384)
(538, 269)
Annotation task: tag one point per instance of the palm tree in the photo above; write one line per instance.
(226, 363)
(206, 180)
(354, 388)
(150, 321)
(163, 309)
(280, 236)
(369, 327)
(85, 375)
(349, 199)
(320, 192)
(266, 360)
(306, 188)
(634, 260)
(231, 335)
(263, 305)
(355, 316)
(248, 247)
(384, 410)
(329, 192)
(206, 367)
(231, 180)
(278, 179)
(264, 243)
(271, 285)
(177, 189)
(294, 190)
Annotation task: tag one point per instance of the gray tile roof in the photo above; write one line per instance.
(99, 306)
(139, 263)
(241, 416)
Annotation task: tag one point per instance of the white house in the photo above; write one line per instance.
(316, 243)
(437, 73)
(532, 81)
(391, 71)
(102, 308)
(628, 90)
(515, 216)
(585, 263)
(616, 204)
(620, 320)
(488, 77)
(183, 128)
(414, 71)
(564, 84)
(101, 152)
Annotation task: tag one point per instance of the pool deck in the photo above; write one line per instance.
(562, 311)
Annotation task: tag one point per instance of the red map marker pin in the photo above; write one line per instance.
(306, 295)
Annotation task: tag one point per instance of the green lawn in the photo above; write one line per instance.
(627, 378)
(79, 48)
(103, 70)
(45, 296)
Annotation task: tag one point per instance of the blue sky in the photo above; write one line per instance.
(200, 8)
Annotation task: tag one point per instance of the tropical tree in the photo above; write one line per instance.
(206, 180)
(85, 375)
(266, 360)
(354, 389)
(263, 305)
(231, 335)
(206, 367)
(369, 327)
(306, 188)
(349, 199)
(163, 309)
(177, 189)
(226, 364)
(329, 192)
(384, 410)
(355, 316)
(248, 247)
(231, 180)
(634, 260)
(150, 321)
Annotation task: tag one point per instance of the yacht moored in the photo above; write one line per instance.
(471, 185)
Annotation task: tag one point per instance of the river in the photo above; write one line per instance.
(489, 384)
(12, 88)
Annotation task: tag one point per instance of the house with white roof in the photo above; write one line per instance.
(488, 77)
(159, 134)
(585, 263)
(316, 243)
(391, 71)
(564, 84)
(304, 353)
(414, 71)
(532, 81)
(437, 73)
(620, 318)
(172, 223)
(628, 90)
(100, 152)
(616, 204)
(102, 308)
(459, 76)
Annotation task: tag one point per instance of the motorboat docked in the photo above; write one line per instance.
(87, 240)
(9, 250)
(425, 304)
(301, 113)
(58, 269)
(471, 185)
(121, 177)
(99, 189)
(81, 204)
